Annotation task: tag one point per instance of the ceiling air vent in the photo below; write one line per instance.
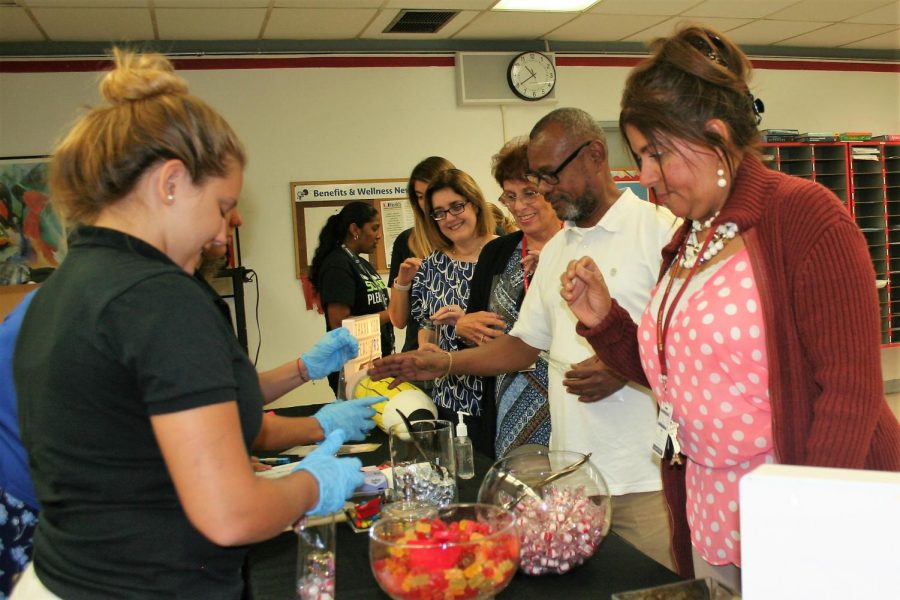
(420, 21)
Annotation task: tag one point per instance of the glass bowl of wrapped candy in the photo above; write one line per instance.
(464, 551)
(561, 505)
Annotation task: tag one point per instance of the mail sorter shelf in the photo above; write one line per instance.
(865, 176)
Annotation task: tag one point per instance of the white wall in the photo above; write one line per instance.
(361, 123)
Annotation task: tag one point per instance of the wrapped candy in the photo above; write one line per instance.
(560, 532)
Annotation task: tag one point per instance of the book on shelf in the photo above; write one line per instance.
(779, 135)
(855, 136)
(779, 138)
(886, 137)
(780, 132)
(817, 136)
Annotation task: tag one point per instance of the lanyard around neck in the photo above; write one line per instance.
(663, 318)
(525, 277)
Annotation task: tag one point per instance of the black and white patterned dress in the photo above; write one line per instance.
(442, 281)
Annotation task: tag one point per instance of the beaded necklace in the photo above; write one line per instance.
(694, 253)
(701, 254)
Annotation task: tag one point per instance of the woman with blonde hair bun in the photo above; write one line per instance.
(137, 405)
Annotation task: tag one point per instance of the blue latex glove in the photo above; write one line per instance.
(330, 353)
(353, 416)
(337, 477)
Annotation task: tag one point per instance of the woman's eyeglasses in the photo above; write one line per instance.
(454, 209)
(526, 197)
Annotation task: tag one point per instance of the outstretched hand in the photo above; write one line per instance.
(410, 366)
(583, 288)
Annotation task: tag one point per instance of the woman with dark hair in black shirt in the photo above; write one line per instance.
(346, 282)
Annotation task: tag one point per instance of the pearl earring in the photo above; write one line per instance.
(721, 182)
(355, 236)
(171, 198)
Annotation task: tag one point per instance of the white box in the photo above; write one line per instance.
(810, 532)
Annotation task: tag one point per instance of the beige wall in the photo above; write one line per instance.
(360, 123)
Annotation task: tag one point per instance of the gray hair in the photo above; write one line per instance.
(576, 123)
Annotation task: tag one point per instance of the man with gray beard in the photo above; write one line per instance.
(591, 408)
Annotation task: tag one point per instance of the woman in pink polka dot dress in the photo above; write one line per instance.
(718, 387)
(762, 335)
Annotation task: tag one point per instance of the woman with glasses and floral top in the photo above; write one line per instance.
(461, 224)
(515, 409)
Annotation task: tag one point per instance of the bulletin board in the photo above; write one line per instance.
(312, 202)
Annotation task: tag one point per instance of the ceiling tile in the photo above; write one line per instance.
(768, 31)
(603, 28)
(837, 35)
(15, 26)
(513, 25)
(211, 3)
(441, 4)
(88, 3)
(669, 26)
(885, 41)
(93, 24)
(647, 7)
(754, 9)
(327, 3)
(209, 24)
(885, 14)
(827, 10)
(376, 28)
(317, 23)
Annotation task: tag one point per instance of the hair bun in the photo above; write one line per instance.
(140, 76)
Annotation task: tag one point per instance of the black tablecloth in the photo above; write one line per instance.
(615, 567)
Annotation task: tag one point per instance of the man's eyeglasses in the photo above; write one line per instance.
(454, 209)
(552, 178)
(526, 197)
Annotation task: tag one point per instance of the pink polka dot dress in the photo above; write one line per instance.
(718, 385)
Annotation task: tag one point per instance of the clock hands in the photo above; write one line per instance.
(532, 76)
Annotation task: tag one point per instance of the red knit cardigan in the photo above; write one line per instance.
(821, 316)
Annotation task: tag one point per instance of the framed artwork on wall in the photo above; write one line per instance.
(31, 234)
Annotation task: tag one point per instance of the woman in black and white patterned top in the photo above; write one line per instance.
(461, 223)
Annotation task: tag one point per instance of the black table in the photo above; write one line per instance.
(616, 566)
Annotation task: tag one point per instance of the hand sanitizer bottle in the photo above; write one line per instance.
(462, 445)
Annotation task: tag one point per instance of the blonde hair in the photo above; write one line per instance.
(425, 171)
(150, 117)
(463, 184)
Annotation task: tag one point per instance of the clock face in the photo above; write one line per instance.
(531, 75)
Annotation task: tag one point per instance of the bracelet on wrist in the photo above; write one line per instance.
(449, 362)
(401, 287)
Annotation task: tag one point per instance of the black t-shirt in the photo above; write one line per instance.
(118, 334)
(350, 280)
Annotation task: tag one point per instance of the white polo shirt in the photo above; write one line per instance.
(618, 430)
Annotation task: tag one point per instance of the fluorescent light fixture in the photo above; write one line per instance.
(545, 5)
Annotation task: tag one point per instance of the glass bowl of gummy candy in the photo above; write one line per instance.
(465, 551)
(561, 505)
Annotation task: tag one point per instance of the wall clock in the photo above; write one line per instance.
(531, 75)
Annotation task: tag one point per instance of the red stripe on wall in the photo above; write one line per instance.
(338, 62)
(194, 64)
(760, 63)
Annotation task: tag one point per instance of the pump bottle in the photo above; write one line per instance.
(462, 445)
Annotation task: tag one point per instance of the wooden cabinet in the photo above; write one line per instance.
(866, 177)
